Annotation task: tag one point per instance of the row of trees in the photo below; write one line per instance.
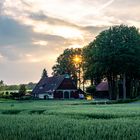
(114, 54)
(14, 94)
(4, 87)
(15, 91)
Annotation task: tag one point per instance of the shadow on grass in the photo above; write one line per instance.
(92, 116)
(11, 112)
(37, 111)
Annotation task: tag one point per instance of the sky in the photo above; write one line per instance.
(33, 33)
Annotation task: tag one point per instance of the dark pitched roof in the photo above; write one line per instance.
(48, 84)
(103, 86)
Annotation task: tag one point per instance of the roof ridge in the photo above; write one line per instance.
(49, 83)
(55, 76)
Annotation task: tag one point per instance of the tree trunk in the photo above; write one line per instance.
(114, 87)
(117, 89)
(110, 90)
(83, 84)
(124, 86)
(109, 86)
(136, 85)
(91, 81)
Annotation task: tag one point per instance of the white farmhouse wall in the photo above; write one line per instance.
(41, 96)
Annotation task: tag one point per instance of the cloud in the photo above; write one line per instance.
(17, 39)
(34, 32)
(84, 13)
(12, 32)
(22, 49)
(106, 4)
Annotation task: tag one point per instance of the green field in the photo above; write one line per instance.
(68, 120)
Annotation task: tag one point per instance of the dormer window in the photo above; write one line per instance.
(67, 76)
(41, 87)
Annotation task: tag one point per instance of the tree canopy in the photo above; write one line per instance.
(65, 64)
(114, 53)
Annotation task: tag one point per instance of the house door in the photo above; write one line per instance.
(66, 95)
(45, 97)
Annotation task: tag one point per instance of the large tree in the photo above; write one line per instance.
(116, 55)
(65, 63)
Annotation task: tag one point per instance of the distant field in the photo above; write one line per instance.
(4, 91)
(68, 120)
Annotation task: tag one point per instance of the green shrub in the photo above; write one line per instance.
(91, 89)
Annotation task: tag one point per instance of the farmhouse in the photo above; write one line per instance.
(57, 87)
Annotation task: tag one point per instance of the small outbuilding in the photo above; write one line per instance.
(102, 90)
(56, 87)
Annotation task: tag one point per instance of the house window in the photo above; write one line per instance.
(41, 87)
(49, 93)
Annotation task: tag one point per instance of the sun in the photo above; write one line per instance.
(77, 59)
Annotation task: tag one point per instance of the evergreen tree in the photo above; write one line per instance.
(44, 73)
(2, 86)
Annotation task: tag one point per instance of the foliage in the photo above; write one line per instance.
(90, 70)
(65, 120)
(14, 95)
(117, 49)
(115, 53)
(1, 85)
(30, 86)
(22, 90)
(1, 82)
(65, 64)
(14, 88)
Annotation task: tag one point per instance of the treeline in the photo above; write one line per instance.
(21, 93)
(4, 87)
(113, 55)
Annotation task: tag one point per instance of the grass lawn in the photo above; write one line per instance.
(68, 120)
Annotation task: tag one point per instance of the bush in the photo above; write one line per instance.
(22, 90)
(91, 89)
(1, 94)
(26, 97)
(14, 94)
(6, 92)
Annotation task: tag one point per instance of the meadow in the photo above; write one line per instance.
(68, 120)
